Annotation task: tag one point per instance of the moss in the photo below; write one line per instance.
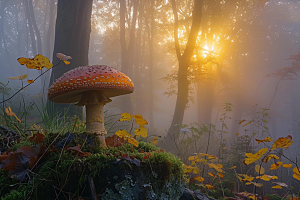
(59, 173)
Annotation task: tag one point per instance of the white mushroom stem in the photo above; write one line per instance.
(94, 102)
(95, 119)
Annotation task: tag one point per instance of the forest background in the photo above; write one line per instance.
(246, 53)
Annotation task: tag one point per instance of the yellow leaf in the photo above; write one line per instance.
(221, 175)
(140, 120)
(275, 166)
(188, 180)
(21, 77)
(245, 177)
(9, 112)
(256, 184)
(296, 176)
(216, 167)
(208, 155)
(211, 174)
(30, 81)
(252, 197)
(251, 158)
(247, 123)
(154, 141)
(204, 161)
(123, 134)
(210, 187)
(133, 141)
(66, 62)
(237, 134)
(268, 157)
(267, 139)
(283, 142)
(38, 62)
(277, 187)
(195, 158)
(242, 121)
(232, 167)
(266, 177)
(287, 165)
(296, 170)
(259, 169)
(141, 131)
(125, 117)
(199, 178)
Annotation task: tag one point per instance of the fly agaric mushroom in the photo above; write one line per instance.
(92, 87)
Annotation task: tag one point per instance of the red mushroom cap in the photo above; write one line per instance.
(70, 87)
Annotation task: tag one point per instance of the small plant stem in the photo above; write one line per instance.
(74, 124)
(29, 84)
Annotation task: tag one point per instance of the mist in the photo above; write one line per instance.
(246, 56)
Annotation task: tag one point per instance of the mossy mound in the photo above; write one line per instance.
(125, 172)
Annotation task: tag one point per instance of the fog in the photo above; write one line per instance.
(247, 44)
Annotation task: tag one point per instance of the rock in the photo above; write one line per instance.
(193, 195)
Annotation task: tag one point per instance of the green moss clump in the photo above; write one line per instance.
(59, 173)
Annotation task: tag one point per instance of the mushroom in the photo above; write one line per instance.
(92, 87)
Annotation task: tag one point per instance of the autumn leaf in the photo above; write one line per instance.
(287, 165)
(275, 166)
(281, 184)
(232, 167)
(211, 174)
(216, 167)
(21, 77)
(247, 123)
(237, 134)
(242, 121)
(140, 120)
(208, 155)
(141, 131)
(259, 169)
(195, 158)
(210, 187)
(267, 139)
(254, 183)
(125, 117)
(9, 112)
(245, 177)
(77, 150)
(283, 142)
(37, 138)
(266, 177)
(64, 58)
(221, 175)
(123, 134)
(154, 141)
(38, 62)
(133, 141)
(30, 81)
(268, 157)
(296, 174)
(114, 141)
(277, 187)
(251, 158)
(199, 178)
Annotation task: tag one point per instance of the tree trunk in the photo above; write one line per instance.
(184, 61)
(72, 37)
(125, 65)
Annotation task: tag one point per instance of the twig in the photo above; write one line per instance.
(29, 83)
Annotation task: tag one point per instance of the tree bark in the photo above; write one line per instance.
(125, 55)
(72, 37)
(184, 61)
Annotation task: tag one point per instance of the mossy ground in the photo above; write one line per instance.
(64, 174)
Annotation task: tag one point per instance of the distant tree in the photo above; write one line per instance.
(72, 37)
(184, 62)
